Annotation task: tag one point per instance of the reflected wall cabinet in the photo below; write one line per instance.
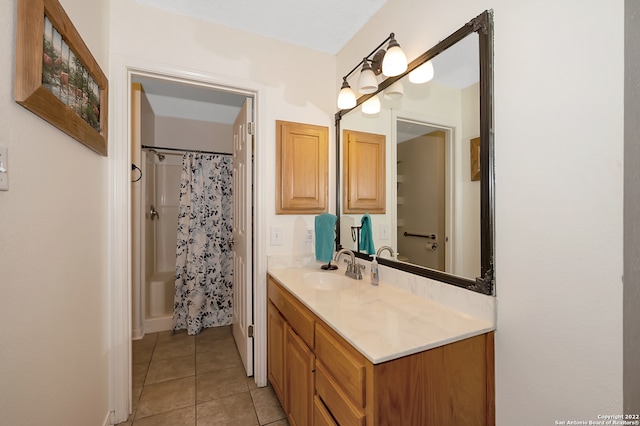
(364, 172)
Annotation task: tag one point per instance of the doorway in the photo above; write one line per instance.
(170, 117)
(424, 191)
(119, 212)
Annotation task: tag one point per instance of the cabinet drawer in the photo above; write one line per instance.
(321, 416)
(336, 400)
(345, 367)
(296, 314)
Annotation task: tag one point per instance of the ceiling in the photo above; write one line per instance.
(325, 25)
(191, 102)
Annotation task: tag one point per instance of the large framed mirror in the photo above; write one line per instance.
(433, 203)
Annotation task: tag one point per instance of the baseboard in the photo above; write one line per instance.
(137, 333)
(107, 420)
(153, 325)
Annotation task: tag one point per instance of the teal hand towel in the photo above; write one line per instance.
(325, 238)
(366, 236)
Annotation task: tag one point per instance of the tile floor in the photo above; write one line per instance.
(181, 380)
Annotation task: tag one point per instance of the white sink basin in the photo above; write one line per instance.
(327, 281)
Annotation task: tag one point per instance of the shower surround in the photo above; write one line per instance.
(162, 190)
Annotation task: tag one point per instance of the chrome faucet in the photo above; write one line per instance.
(354, 270)
(383, 248)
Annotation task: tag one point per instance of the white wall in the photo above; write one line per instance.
(53, 254)
(631, 209)
(558, 159)
(285, 70)
(172, 132)
(469, 190)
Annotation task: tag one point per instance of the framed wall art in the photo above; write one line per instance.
(57, 77)
(475, 158)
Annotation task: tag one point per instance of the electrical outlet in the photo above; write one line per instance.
(276, 236)
(309, 235)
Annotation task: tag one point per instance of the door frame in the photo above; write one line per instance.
(119, 218)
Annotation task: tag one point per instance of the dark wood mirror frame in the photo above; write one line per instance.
(483, 26)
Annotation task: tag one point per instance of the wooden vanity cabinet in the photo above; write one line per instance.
(325, 381)
(290, 357)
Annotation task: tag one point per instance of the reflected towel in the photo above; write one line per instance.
(366, 237)
(325, 238)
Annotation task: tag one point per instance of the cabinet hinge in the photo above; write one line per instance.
(251, 127)
(250, 330)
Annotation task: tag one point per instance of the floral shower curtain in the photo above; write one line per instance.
(203, 290)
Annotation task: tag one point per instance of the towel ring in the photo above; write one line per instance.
(134, 167)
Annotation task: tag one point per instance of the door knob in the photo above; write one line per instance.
(153, 214)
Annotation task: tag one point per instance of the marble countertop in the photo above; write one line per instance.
(383, 322)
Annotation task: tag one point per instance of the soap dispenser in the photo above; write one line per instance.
(375, 279)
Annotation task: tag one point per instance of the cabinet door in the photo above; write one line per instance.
(302, 152)
(364, 172)
(275, 352)
(298, 379)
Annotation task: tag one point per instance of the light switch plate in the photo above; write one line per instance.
(276, 236)
(384, 231)
(4, 168)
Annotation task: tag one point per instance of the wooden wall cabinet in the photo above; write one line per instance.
(302, 176)
(364, 172)
(327, 382)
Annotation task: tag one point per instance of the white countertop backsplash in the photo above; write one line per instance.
(387, 321)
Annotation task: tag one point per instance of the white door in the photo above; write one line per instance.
(242, 236)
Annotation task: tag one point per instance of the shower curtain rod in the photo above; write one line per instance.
(184, 150)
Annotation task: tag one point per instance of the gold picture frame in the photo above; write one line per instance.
(57, 77)
(475, 158)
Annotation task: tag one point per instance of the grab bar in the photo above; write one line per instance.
(429, 236)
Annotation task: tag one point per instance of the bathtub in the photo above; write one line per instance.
(160, 302)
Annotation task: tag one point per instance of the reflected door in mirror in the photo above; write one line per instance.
(421, 200)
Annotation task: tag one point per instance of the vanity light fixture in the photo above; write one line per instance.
(367, 82)
(422, 74)
(346, 97)
(371, 105)
(395, 91)
(391, 63)
(395, 61)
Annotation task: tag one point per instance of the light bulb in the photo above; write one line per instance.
(422, 74)
(395, 61)
(395, 91)
(346, 97)
(367, 82)
(371, 105)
